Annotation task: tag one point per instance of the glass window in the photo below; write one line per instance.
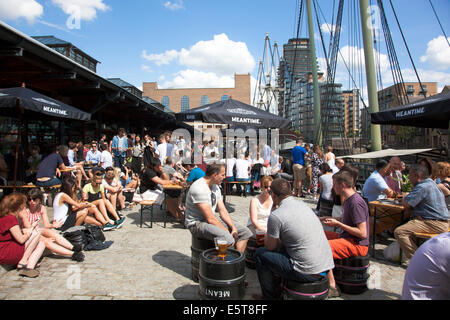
(204, 100)
(224, 97)
(165, 101)
(184, 103)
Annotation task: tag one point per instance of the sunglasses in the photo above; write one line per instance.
(213, 199)
(99, 174)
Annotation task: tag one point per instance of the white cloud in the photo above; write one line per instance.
(176, 5)
(327, 28)
(82, 9)
(438, 53)
(162, 58)
(27, 9)
(198, 79)
(220, 55)
(146, 68)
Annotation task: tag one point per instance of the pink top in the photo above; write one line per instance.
(32, 217)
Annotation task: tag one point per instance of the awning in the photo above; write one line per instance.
(431, 112)
(385, 153)
(234, 113)
(30, 100)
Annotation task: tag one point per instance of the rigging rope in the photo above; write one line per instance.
(439, 21)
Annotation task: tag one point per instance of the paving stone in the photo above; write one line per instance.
(154, 263)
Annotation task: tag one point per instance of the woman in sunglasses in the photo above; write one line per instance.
(53, 241)
(94, 192)
(260, 207)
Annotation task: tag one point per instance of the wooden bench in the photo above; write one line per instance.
(47, 190)
(148, 203)
(237, 183)
(426, 236)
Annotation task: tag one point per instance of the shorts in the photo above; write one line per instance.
(343, 248)
(299, 171)
(70, 221)
(210, 232)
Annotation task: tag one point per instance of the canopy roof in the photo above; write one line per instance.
(234, 113)
(385, 153)
(33, 101)
(431, 112)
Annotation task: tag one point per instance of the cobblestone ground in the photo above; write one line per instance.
(154, 263)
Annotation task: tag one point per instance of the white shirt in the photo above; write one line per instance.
(161, 150)
(106, 159)
(242, 167)
(230, 164)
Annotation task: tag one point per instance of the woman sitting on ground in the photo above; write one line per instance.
(67, 211)
(94, 193)
(260, 207)
(55, 242)
(113, 188)
(21, 247)
(153, 176)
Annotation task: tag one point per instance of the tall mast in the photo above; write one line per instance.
(312, 48)
(366, 25)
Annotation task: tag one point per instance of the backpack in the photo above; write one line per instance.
(89, 237)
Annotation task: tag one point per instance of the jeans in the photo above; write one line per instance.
(118, 161)
(247, 187)
(48, 183)
(269, 265)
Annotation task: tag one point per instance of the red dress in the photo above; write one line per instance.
(10, 250)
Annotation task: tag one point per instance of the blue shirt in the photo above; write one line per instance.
(374, 186)
(298, 155)
(195, 174)
(428, 201)
(94, 157)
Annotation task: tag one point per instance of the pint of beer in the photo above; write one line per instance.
(221, 248)
(260, 237)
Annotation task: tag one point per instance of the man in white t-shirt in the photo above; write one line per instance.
(105, 157)
(202, 201)
(161, 149)
(243, 172)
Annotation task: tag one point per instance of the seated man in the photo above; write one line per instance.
(427, 275)
(295, 246)
(375, 187)
(49, 168)
(202, 200)
(194, 172)
(354, 239)
(426, 206)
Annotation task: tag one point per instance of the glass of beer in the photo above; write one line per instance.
(260, 237)
(221, 247)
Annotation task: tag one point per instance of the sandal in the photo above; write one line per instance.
(23, 266)
(30, 273)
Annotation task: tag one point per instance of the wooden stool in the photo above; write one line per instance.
(149, 203)
(422, 237)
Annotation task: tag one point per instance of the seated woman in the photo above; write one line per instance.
(442, 172)
(21, 247)
(68, 212)
(55, 242)
(71, 157)
(154, 175)
(260, 207)
(94, 192)
(113, 188)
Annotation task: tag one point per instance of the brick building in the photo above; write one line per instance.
(184, 99)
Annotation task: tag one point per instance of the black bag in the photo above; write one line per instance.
(76, 236)
(94, 233)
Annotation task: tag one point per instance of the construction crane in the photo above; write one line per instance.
(266, 92)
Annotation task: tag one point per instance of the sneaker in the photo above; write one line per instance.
(108, 226)
(30, 273)
(78, 256)
(334, 292)
(118, 223)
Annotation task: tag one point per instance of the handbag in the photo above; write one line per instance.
(76, 235)
(94, 233)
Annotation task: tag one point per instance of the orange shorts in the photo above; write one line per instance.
(343, 248)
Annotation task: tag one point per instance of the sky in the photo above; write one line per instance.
(203, 43)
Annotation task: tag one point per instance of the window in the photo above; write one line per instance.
(184, 103)
(204, 100)
(224, 97)
(165, 101)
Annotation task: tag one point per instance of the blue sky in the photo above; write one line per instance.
(197, 43)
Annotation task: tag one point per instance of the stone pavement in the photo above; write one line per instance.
(154, 263)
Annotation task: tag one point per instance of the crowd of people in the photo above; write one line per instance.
(100, 180)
